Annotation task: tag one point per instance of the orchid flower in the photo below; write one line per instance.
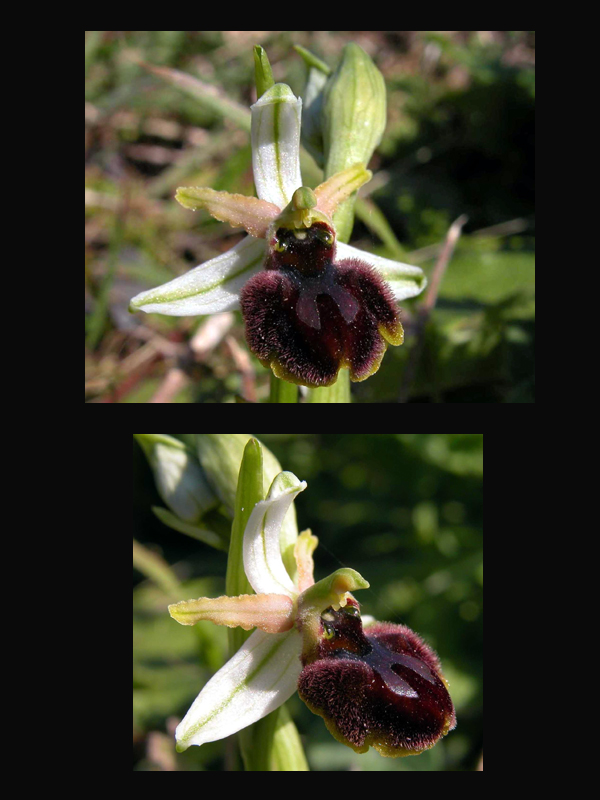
(310, 305)
(380, 686)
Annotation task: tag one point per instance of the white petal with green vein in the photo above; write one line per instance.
(276, 144)
(260, 677)
(404, 280)
(211, 287)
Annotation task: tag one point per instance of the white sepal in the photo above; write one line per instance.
(276, 144)
(262, 552)
(260, 677)
(211, 287)
(404, 280)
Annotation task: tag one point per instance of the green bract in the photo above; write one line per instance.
(220, 455)
(353, 121)
(179, 478)
(354, 110)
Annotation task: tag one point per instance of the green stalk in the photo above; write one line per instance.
(272, 743)
(338, 393)
(282, 391)
(250, 491)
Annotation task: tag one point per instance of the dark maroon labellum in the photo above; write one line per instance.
(382, 687)
(307, 315)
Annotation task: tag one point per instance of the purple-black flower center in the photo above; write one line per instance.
(381, 686)
(308, 314)
(306, 251)
(344, 638)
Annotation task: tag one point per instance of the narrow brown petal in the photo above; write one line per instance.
(303, 552)
(250, 213)
(340, 186)
(272, 613)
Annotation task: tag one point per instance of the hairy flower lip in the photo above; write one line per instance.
(311, 288)
(309, 314)
(390, 693)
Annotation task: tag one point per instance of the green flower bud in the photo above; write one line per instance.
(354, 111)
(353, 120)
(179, 478)
(221, 456)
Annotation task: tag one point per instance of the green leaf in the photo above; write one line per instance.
(201, 534)
(208, 96)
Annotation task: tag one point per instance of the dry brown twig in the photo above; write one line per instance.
(242, 361)
(424, 311)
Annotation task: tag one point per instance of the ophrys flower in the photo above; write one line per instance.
(311, 305)
(381, 687)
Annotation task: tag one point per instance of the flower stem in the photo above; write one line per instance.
(338, 393)
(282, 391)
(250, 491)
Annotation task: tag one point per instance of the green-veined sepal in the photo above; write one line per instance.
(211, 287)
(276, 144)
(405, 280)
(260, 677)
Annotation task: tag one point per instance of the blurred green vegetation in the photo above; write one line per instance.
(459, 139)
(405, 510)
